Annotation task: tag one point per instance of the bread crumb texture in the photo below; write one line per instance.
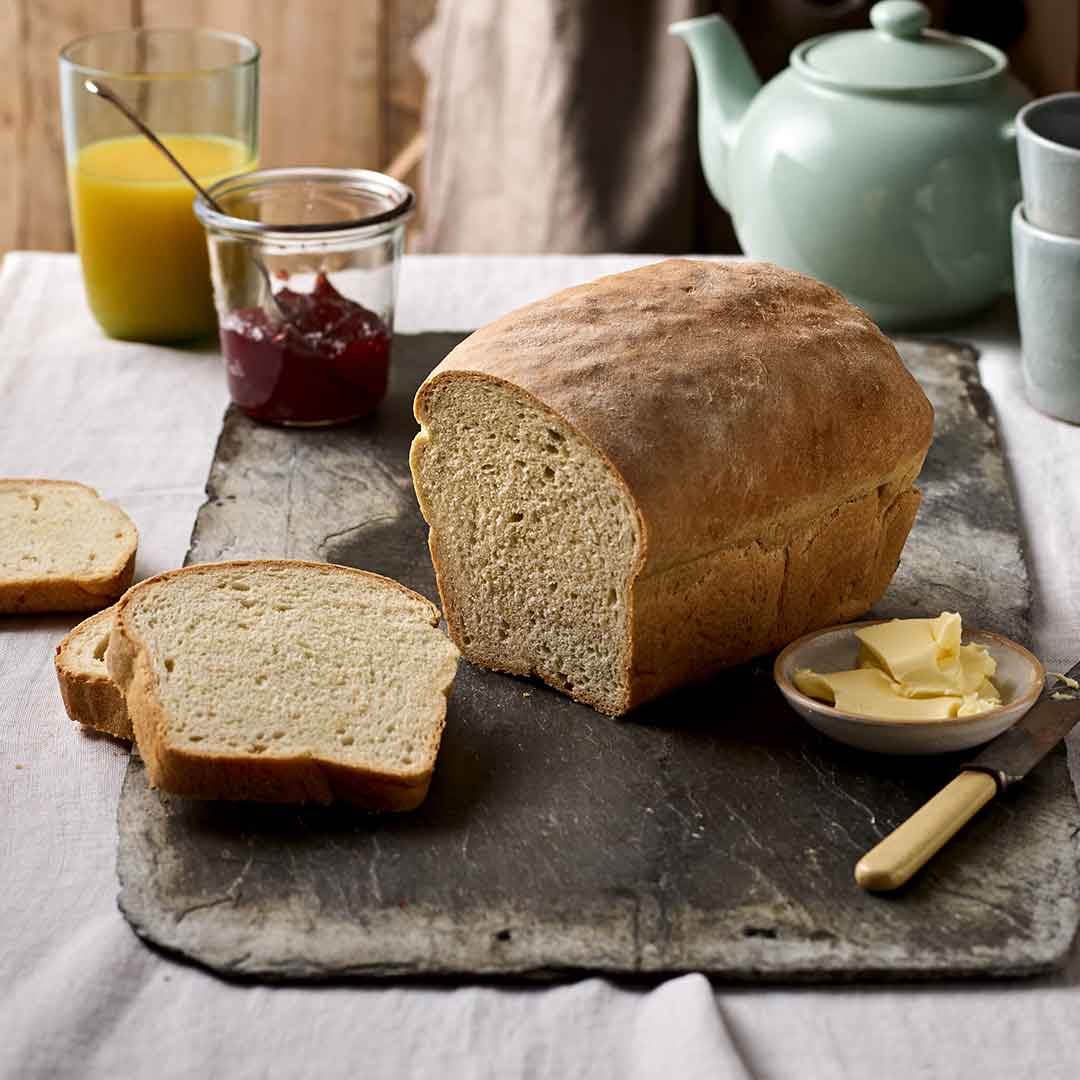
(541, 537)
(87, 644)
(62, 547)
(282, 663)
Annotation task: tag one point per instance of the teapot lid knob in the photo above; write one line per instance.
(900, 18)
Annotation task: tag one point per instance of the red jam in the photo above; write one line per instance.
(329, 362)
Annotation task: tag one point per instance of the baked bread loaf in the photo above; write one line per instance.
(283, 681)
(639, 481)
(62, 547)
(90, 695)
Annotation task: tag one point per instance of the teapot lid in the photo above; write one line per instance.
(898, 53)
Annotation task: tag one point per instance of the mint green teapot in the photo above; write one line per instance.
(882, 161)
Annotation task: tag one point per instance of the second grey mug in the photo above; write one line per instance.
(1047, 272)
(1048, 141)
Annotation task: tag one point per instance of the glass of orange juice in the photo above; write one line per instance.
(143, 252)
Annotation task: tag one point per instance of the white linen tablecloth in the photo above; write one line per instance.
(80, 996)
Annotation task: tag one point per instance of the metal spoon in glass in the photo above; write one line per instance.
(104, 92)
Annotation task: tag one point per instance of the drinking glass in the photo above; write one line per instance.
(143, 252)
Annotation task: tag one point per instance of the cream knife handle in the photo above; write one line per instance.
(910, 845)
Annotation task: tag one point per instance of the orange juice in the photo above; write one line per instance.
(143, 251)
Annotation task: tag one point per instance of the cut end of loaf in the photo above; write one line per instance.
(534, 538)
(284, 681)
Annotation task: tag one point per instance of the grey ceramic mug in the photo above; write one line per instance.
(1048, 140)
(1046, 266)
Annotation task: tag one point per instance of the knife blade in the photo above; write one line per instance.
(1003, 762)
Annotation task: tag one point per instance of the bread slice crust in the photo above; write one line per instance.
(90, 696)
(270, 777)
(30, 592)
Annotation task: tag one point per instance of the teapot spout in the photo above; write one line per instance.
(727, 82)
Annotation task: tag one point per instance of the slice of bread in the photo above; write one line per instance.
(90, 695)
(281, 681)
(62, 547)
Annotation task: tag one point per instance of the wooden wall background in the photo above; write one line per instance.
(351, 56)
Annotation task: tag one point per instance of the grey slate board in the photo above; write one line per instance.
(712, 831)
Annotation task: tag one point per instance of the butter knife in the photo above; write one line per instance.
(1003, 762)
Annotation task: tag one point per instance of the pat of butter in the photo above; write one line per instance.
(914, 669)
(925, 656)
(871, 692)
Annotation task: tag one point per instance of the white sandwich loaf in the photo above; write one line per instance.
(639, 481)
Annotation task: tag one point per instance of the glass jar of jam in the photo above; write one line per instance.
(304, 264)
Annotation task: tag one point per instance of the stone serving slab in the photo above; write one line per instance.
(712, 831)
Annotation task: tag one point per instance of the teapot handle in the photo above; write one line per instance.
(1008, 133)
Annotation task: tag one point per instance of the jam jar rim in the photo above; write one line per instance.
(384, 221)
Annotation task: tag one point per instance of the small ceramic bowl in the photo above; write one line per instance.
(1019, 679)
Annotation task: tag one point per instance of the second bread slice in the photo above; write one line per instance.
(284, 681)
(90, 695)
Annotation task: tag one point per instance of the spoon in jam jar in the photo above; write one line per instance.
(101, 91)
